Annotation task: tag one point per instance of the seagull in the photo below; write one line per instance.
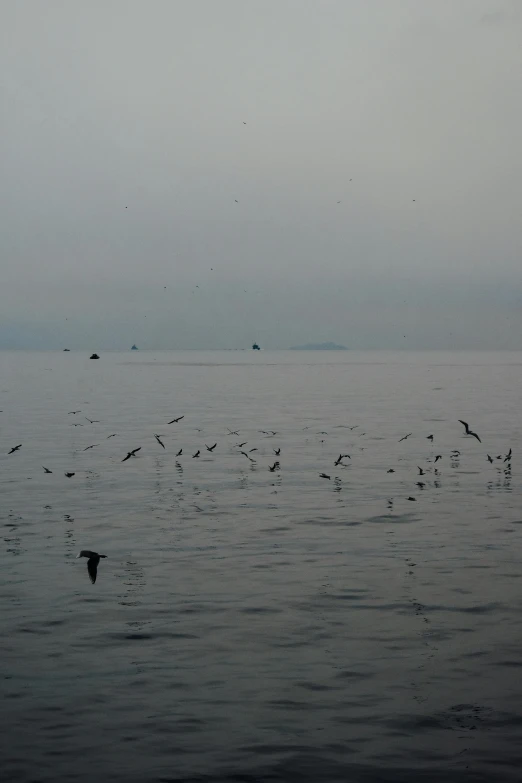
(249, 450)
(76, 425)
(46, 469)
(490, 459)
(15, 448)
(159, 441)
(195, 455)
(131, 454)
(439, 456)
(340, 458)
(406, 436)
(469, 432)
(323, 475)
(210, 448)
(455, 453)
(274, 467)
(421, 472)
(233, 432)
(391, 470)
(277, 452)
(92, 562)
(241, 444)
(429, 437)
(508, 456)
(175, 421)
(91, 447)
(410, 498)
(92, 421)
(73, 412)
(246, 455)
(70, 475)
(180, 452)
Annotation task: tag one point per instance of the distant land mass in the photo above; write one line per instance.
(319, 347)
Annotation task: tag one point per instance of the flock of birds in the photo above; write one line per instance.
(93, 558)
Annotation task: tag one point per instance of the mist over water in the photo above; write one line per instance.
(258, 626)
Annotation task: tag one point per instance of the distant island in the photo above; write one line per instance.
(319, 347)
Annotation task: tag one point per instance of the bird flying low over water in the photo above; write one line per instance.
(73, 412)
(406, 436)
(324, 475)
(277, 452)
(340, 458)
(195, 455)
(70, 475)
(91, 421)
(93, 558)
(421, 472)
(159, 441)
(15, 448)
(508, 456)
(410, 498)
(175, 421)
(131, 454)
(439, 456)
(210, 448)
(391, 470)
(470, 432)
(429, 437)
(246, 455)
(490, 459)
(233, 432)
(46, 469)
(180, 452)
(273, 467)
(91, 447)
(111, 436)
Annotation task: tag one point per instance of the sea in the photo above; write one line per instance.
(256, 625)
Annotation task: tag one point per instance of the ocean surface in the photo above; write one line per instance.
(250, 625)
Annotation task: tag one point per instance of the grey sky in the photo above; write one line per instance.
(123, 149)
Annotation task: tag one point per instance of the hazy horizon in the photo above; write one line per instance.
(171, 173)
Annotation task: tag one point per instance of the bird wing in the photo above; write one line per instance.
(465, 424)
(92, 568)
(475, 436)
(126, 458)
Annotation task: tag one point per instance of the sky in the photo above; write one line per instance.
(200, 174)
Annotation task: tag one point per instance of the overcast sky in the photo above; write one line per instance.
(123, 150)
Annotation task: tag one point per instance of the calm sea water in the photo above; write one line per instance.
(258, 626)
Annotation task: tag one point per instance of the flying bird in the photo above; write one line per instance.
(391, 470)
(246, 455)
(323, 475)
(470, 432)
(508, 456)
(406, 436)
(175, 421)
(439, 456)
(91, 447)
(210, 448)
(180, 452)
(159, 441)
(15, 448)
(195, 455)
(111, 436)
(73, 412)
(70, 475)
(410, 498)
(93, 558)
(420, 484)
(92, 421)
(421, 472)
(233, 432)
(273, 467)
(238, 445)
(277, 452)
(429, 437)
(490, 459)
(131, 454)
(46, 469)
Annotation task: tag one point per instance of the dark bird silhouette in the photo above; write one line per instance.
(180, 452)
(46, 469)
(340, 458)
(237, 202)
(273, 467)
(239, 445)
(175, 421)
(421, 472)
(246, 455)
(131, 454)
(508, 456)
(111, 436)
(233, 432)
(76, 425)
(93, 558)
(490, 459)
(324, 475)
(470, 432)
(410, 498)
(15, 448)
(439, 456)
(429, 437)
(499, 456)
(420, 484)
(70, 475)
(250, 450)
(71, 413)
(92, 421)
(455, 453)
(159, 441)
(91, 447)
(210, 448)
(277, 452)
(195, 455)
(391, 470)
(406, 436)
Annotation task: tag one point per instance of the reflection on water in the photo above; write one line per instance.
(258, 626)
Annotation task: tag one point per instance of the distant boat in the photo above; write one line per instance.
(94, 356)
(256, 347)
(134, 348)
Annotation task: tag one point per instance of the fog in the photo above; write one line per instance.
(171, 173)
